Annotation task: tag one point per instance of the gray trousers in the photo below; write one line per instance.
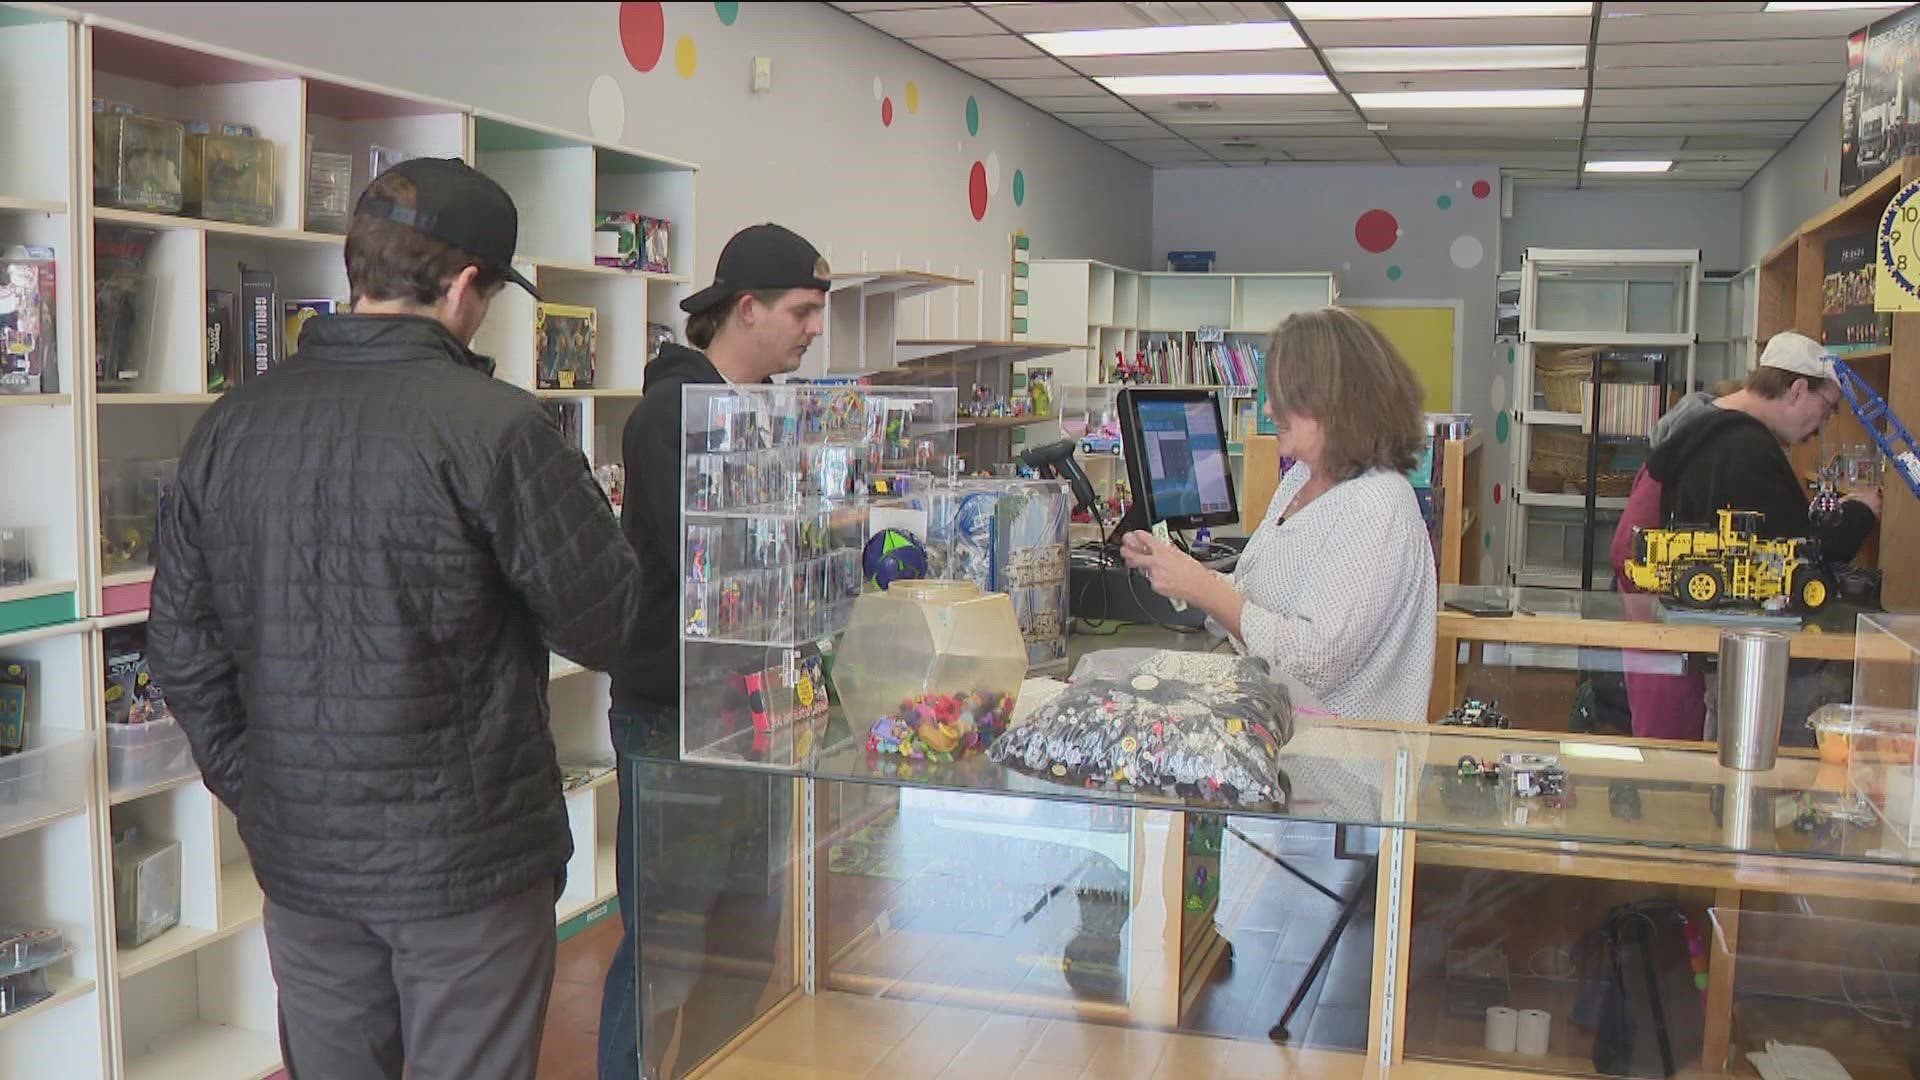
(459, 998)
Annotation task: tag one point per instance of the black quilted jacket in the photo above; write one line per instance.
(360, 569)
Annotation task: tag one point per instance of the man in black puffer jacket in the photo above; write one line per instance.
(367, 554)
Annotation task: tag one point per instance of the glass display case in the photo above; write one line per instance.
(131, 491)
(781, 487)
(229, 175)
(137, 161)
(1883, 756)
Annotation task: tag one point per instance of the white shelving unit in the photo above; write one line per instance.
(863, 320)
(198, 1001)
(1729, 317)
(1633, 304)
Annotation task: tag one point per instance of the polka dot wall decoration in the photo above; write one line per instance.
(973, 116)
(886, 112)
(1499, 492)
(1393, 273)
(685, 56)
(727, 11)
(606, 109)
(1466, 252)
(1482, 189)
(913, 96)
(1502, 427)
(1019, 188)
(1376, 231)
(977, 191)
(879, 89)
(643, 33)
(1444, 202)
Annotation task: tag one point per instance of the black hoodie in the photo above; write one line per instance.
(651, 447)
(1727, 458)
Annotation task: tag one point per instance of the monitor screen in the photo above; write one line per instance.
(1177, 454)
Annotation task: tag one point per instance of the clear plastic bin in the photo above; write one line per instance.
(142, 755)
(25, 959)
(47, 778)
(1883, 754)
(146, 887)
(137, 162)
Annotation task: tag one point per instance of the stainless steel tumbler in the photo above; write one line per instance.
(1753, 695)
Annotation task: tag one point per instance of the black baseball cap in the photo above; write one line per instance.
(761, 257)
(458, 205)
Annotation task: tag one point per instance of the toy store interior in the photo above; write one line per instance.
(1082, 674)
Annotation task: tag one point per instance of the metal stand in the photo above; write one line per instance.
(1349, 906)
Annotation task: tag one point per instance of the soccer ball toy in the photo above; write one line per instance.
(893, 555)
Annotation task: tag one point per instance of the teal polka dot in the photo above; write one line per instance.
(1502, 427)
(1019, 188)
(973, 116)
(1509, 354)
(727, 11)
(1393, 273)
(1445, 202)
(1486, 539)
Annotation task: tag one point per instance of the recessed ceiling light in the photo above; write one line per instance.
(1629, 166)
(1348, 10)
(1141, 40)
(1457, 58)
(1189, 85)
(1778, 6)
(1471, 99)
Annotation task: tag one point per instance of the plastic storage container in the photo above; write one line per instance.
(229, 177)
(25, 959)
(123, 305)
(143, 755)
(16, 555)
(1883, 756)
(137, 162)
(329, 191)
(46, 779)
(930, 668)
(130, 493)
(146, 887)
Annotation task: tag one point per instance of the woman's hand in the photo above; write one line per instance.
(1173, 573)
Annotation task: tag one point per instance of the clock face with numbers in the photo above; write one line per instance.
(1898, 249)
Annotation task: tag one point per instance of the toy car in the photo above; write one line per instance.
(1474, 713)
(1101, 444)
(1704, 568)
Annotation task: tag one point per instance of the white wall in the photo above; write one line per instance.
(812, 154)
(1801, 180)
(1625, 218)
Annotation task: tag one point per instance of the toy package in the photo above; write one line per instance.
(136, 160)
(26, 955)
(223, 340)
(16, 555)
(300, 312)
(263, 325)
(16, 678)
(658, 334)
(146, 887)
(228, 174)
(382, 158)
(632, 241)
(131, 696)
(1178, 723)
(565, 342)
(329, 191)
(123, 296)
(27, 322)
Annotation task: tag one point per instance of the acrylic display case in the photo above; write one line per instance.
(229, 176)
(146, 887)
(930, 669)
(137, 162)
(123, 305)
(1883, 756)
(1008, 536)
(778, 486)
(130, 494)
(329, 191)
(25, 957)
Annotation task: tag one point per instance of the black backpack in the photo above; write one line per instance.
(1637, 992)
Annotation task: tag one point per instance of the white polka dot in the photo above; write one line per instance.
(993, 174)
(1466, 252)
(879, 91)
(1458, 184)
(1487, 569)
(606, 110)
(1499, 395)
(1398, 233)
(1346, 266)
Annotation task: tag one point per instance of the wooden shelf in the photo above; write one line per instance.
(28, 401)
(903, 284)
(1870, 356)
(1871, 196)
(122, 400)
(205, 1049)
(995, 423)
(128, 577)
(216, 228)
(551, 266)
(32, 206)
(65, 988)
(34, 589)
(939, 352)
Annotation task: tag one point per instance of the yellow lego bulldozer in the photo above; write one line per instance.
(1703, 568)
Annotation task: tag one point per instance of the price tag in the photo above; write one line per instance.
(1208, 335)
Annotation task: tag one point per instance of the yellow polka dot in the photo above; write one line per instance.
(913, 96)
(685, 56)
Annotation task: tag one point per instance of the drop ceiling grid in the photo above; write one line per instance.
(1716, 87)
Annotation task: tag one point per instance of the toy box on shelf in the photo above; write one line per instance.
(228, 174)
(1008, 536)
(136, 160)
(123, 303)
(565, 344)
(1883, 755)
(27, 321)
(778, 483)
(631, 241)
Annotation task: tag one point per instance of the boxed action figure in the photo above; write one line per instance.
(228, 174)
(27, 322)
(632, 241)
(565, 342)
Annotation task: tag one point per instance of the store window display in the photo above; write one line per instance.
(1337, 589)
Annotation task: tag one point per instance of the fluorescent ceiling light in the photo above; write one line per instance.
(1457, 58)
(1140, 40)
(1629, 166)
(1206, 85)
(1471, 99)
(1363, 10)
(1778, 6)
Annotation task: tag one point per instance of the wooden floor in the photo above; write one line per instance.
(568, 1050)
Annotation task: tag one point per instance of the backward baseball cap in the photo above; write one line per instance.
(1800, 355)
(458, 205)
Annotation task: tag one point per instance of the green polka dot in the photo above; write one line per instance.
(1509, 354)
(1445, 202)
(727, 11)
(1502, 427)
(1019, 188)
(973, 116)
(1486, 539)
(1393, 273)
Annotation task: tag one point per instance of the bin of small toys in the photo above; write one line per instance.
(931, 669)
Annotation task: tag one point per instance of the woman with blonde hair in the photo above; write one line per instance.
(1336, 586)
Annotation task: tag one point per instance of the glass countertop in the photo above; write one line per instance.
(1620, 792)
(1839, 617)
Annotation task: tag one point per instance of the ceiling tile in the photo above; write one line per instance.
(1736, 139)
(1059, 103)
(1807, 99)
(930, 22)
(1285, 61)
(982, 47)
(1670, 7)
(1045, 18)
(1553, 30)
(1070, 86)
(1372, 81)
(1327, 128)
(1830, 25)
(1274, 106)
(1701, 116)
(1110, 122)
(1031, 67)
(1783, 129)
(1149, 143)
(1804, 73)
(895, 5)
(1671, 145)
(1711, 53)
(1476, 156)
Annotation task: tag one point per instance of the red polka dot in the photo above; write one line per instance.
(977, 191)
(1482, 189)
(643, 33)
(1497, 492)
(1376, 231)
(886, 112)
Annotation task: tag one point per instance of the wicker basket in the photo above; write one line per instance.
(1560, 373)
(1557, 458)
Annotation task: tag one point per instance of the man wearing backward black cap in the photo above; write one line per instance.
(763, 310)
(366, 557)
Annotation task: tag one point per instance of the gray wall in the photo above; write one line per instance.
(812, 154)
(1624, 218)
(1801, 180)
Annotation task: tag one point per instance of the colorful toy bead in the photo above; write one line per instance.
(942, 727)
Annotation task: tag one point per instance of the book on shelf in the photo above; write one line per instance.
(1848, 322)
(1185, 359)
(1629, 409)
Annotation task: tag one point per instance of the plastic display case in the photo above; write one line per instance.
(48, 778)
(145, 755)
(29, 357)
(25, 959)
(930, 669)
(1883, 752)
(146, 887)
(16, 555)
(1008, 536)
(329, 191)
(229, 176)
(130, 495)
(137, 161)
(776, 503)
(123, 304)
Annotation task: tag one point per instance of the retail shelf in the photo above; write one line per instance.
(128, 577)
(1549, 418)
(903, 284)
(35, 588)
(65, 988)
(28, 401)
(1865, 356)
(125, 618)
(1536, 577)
(219, 228)
(17, 828)
(171, 945)
(605, 876)
(1571, 502)
(939, 352)
(1609, 339)
(559, 667)
(37, 633)
(203, 1049)
(32, 206)
(1000, 422)
(241, 901)
(158, 787)
(597, 392)
(155, 399)
(550, 266)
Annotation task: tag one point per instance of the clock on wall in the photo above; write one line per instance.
(1896, 282)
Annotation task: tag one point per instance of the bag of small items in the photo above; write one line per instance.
(1177, 723)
